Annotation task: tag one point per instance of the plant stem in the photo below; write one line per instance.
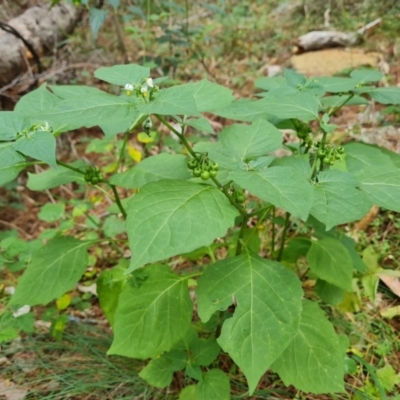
(122, 151)
(273, 234)
(194, 155)
(283, 238)
(336, 109)
(241, 234)
(260, 220)
(69, 167)
(117, 200)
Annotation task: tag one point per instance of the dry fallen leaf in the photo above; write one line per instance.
(11, 391)
(392, 282)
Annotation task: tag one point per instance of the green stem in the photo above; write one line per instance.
(194, 155)
(273, 234)
(260, 220)
(283, 238)
(336, 109)
(117, 200)
(239, 244)
(122, 151)
(69, 167)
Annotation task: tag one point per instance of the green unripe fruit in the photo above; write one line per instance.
(327, 160)
(213, 173)
(192, 164)
(215, 167)
(340, 149)
(241, 198)
(197, 172)
(95, 180)
(205, 175)
(321, 153)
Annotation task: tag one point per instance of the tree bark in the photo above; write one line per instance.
(43, 28)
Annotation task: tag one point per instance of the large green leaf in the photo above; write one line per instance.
(55, 269)
(337, 199)
(381, 185)
(386, 95)
(366, 75)
(283, 187)
(123, 74)
(204, 351)
(159, 371)
(155, 168)
(113, 114)
(11, 163)
(11, 122)
(300, 105)
(269, 83)
(40, 145)
(56, 177)
(171, 217)
(214, 386)
(296, 161)
(243, 110)
(329, 259)
(334, 84)
(267, 315)
(331, 102)
(37, 101)
(313, 361)
(172, 101)
(151, 318)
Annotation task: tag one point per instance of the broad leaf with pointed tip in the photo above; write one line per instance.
(243, 110)
(333, 84)
(155, 168)
(11, 163)
(300, 105)
(268, 309)
(337, 199)
(313, 361)
(386, 95)
(214, 386)
(283, 187)
(11, 122)
(122, 74)
(366, 75)
(55, 269)
(176, 100)
(37, 101)
(40, 145)
(329, 259)
(153, 317)
(171, 217)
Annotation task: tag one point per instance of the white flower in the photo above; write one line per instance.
(144, 89)
(21, 311)
(9, 290)
(129, 87)
(149, 83)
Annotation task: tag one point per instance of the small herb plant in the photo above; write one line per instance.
(250, 305)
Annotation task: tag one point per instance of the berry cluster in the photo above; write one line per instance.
(238, 195)
(203, 167)
(93, 175)
(329, 154)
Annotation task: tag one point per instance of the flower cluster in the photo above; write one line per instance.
(146, 90)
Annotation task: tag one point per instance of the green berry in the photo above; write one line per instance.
(197, 172)
(205, 175)
(95, 180)
(215, 166)
(241, 198)
(321, 153)
(327, 160)
(192, 164)
(213, 173)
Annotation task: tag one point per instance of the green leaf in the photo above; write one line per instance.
(334, 84)
(313, 361)
(336, 101)
(74, 91)
(210, 96)
(113, 114)
(246, 142)
(386, 95)
(204, 351)
(297, 247)
(37, 101)
(11, 123)
(10, 163)
(187, 393)
(176, 100)
(123, 74)
(55, 177)
(214, 386)
(40, 145)
(51, 212)
(201, 124)
(283, 187)
(160, 309)
(328, 293)
(113, 226)
(97, 17)
(381, 185)
(243, 110)
(300, 105)
(388, 377)
(293, 78)
(152, 169)
(109, 286)
(269, 83)
(360, 155)
(267, 314)
(366, 75)
(159, 371)
(175, 217)
(299, 162)
(337, 199)
(329, 260)
(55, 269)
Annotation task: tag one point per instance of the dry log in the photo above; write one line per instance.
(42, 28)
(317, 40)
